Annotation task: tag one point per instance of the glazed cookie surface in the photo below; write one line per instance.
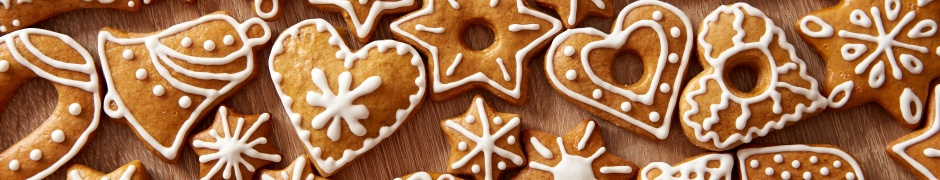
(362, 16)
(501, 68)
(483, 142)
(715, 114)
(162, 83)
(300, 169)
(232, 143)
(18, 14)
(343, 103)
(573, 11)
(814, 161)
(130, 171)
(428, 176)
(917, 151)
(35, 53)
(883, 51)
(580, 154)
(580, 65)
(707, 166)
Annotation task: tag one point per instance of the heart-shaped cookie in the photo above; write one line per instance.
(343, 103)
(579, 67)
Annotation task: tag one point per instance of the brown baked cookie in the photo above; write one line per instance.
(483, 142)
(580, 154)
(715, 114)
(343, 103)
(712, 166)
(35, 53)
(580, 65)
(300, 169)
(130, 171)
(18, 14)
(455, 68)
(883, 51)
(264, 9)
(362, 16)
(162, 83)
(814, 161)
(573, 11)
(234, 142)
(428, 176)
(918, 151)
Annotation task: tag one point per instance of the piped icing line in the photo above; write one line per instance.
(270, 14)
(330, 164)
(161, 54)
(485, 143)
(818, 101)
(616, 39)
(570, 166)
(88, 67)
(363, 28)
(698, 166)
(743, 154)
(934, 127)
(541, 149)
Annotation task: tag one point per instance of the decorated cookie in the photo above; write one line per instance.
(362, 16)
(707, 166)
(343, 103)
(883, 51)
(162, 83)
(580, 154)
(918, 152)
(579, 63)
(18, 14)
(300, 169)
(428, 176)
(573, 11)
(483, 142)
(35, 53)
(130, 171)
(264, 9)
(519, 32)
(715, 114)
(234, 142)
(819, 161)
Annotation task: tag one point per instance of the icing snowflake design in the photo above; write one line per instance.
(485, 143)
(339, 105)
(232, 148)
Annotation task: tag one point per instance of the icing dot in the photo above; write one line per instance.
(657, 15)
(475, 168)
(14, 165)
(75, 109)
(569, 51)
(228, 40)
(497, 120)
(158, 90)
(673, 58)
(185, 101)
(664, 87)
(3, 29)
(795, 163)
(850, 176)
(813, 159)
(674, 31)
(511, 139)
(501, 165)
(778, 158)
(769, 171)
(208, 45)
(4, 65)
(469, 118)
(571, 75)
(807, 175)
(625, 106)
(128, 54)
(597, 94)
(141, 74)
(35, 155)
(754, 163)
(654, 116)
(16, 22)
(824, 171)
(837, 164)
(785, 175)
(462, 146)
(186, 42)
(130, 3)
(938, 50)
(58, 136)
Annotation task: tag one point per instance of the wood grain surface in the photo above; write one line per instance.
(419, 145)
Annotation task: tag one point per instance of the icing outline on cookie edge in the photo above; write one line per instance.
(743, 154)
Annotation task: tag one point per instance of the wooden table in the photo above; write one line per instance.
(419, 145)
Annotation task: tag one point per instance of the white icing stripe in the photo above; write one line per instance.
(128, 173)
(450, 70)
(743, 154)
(269, 14)
(697, 167)
(540, 148)
(232, 147)
(616, 169)
(521, 27)
(298, 170)
(573, 14)
(931, 152)
(454, 4)
(587, 135)
(499, 61)
(930, 131)
(421, 27)
(75, 175)
(364, 28)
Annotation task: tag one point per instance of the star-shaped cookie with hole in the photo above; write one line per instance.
(918, 151)
(234, 146)
(580, 154)
(362, 16)
(483, 142)
(438, 31)
(130, 171)
(883, 51)
(573, 11)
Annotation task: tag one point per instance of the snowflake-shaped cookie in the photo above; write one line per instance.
(883, 51)
(918, 152)
(580, 154)
(237, 148)
(573, 11)
(483, 142)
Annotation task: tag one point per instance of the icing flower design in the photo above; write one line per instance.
(232, 147)
(489, 145)
(340, 104)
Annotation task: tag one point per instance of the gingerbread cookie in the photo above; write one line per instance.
(56, 58)
(130, 171)
(917, 151)
(17, 14)
(815, 161)
(573, 11)
(162, 83)
(362, 16)
(883, 51)
(234, 142)
(579, 63)
(580, 154)
(494, 150)
(300, 169)
(428, 176)
(264, 9)
(371, 91)
(707, 166)
(501, 68)
(718, 116)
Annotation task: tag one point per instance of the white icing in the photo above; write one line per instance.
(825, 31)
(141, 74)
(625, 106)
(427, 176)
(75, 109)
(485, 143)
(14, 165)
(209, 45)
(850, 51)
(675, 32)
(844, 88)
(813, 159)
(421, 27)
(657, 15)
(339, 105)
(541, 149)
(697, 167)
(16, 22)
(769, 171)
(364, 28)
(754, 163)
(185, 102)
(186, 42)
(924, 28)
(785, 175)
(158, 90)
(497, 120)
(127, 174)
(453, 65)
(232, 147)
(930, 131)
(654, 117)
(931, 152)
(824, 171)
(578, 167)
(587, 135)
(849, 175)
(597, 94)
(744, 154)
(859, 18)
(228, 40)
(522, 27)
(470, 118)
(35, 155)
(569, 51)
(778, 158)
(837, 164)
(807, 175)
(664, 88)
(499, 61)
(911, 114)
(128, 54)
(795, 163)
(876, 76)
(616, 169)
(57, 136)
(4, 66)
(570, 75)
(275, 6)
(462, 146)
(510, 140)
(501, 165)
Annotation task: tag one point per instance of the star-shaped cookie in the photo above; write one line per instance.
(580, 154)
(130, 171)
(362, 16)
(438, 29)
(883, 51)
(234, 144)
(918, 152)
(297, 170)
(483, 142)
(573, 11)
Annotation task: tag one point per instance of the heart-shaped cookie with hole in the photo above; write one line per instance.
(579, 66)
(343, 103)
